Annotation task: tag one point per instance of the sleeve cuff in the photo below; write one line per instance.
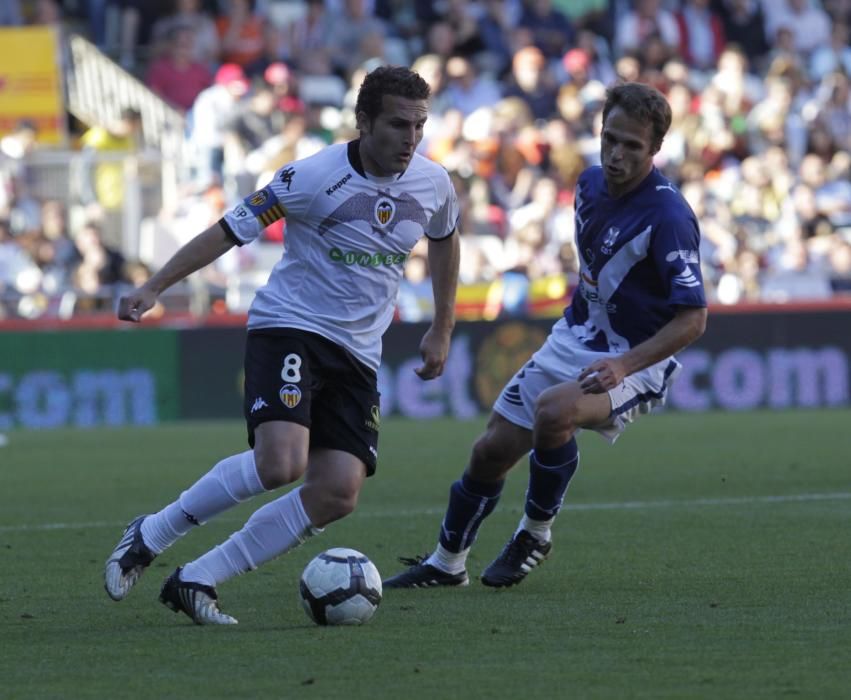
(229, 231)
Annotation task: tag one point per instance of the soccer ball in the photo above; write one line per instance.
(340, 587)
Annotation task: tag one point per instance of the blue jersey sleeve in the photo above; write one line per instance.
(676, 252)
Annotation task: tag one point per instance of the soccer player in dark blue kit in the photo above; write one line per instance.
(639, 300)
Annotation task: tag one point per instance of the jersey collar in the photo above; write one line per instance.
(353, 152)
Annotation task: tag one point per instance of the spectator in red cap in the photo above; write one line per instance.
(212, 110)
(285, 87)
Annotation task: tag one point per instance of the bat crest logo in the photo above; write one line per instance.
(384, 211)
(290, 395)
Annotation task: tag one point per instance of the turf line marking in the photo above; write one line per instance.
(575, 507)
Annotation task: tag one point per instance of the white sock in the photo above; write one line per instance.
(231, 481)
(541, 530)
(275, 528)
(447, 561)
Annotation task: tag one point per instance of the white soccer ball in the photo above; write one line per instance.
(340, 587)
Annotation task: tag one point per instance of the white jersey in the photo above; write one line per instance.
(347, 237)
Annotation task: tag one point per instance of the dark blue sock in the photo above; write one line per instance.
(550, 472)
(470, 502)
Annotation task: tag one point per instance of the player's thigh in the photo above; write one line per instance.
(279, 383)
(564, 407)
(346, 413)
(280, 452)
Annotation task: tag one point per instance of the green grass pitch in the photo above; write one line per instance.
(703, 556)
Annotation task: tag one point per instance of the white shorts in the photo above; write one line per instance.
(561, 359)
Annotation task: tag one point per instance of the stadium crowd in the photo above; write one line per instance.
(760, 144)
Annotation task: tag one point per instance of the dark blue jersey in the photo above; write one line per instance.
(639, 261)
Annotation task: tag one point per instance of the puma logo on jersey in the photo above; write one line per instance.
(665, 187)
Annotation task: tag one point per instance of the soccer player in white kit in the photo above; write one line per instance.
(639, 300)
(353, 212)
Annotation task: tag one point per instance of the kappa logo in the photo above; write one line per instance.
(337, 185)
(290, 395)
(258, 404)
(609, 240)
(287, 177)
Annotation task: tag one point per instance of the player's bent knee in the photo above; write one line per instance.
(279, 469)
(324, 506)
(555, 420)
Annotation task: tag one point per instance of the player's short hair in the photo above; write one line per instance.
(389, 80)
(642, 103)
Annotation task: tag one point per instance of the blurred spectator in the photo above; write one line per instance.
(833, 56)
(177, 76)
(808, 23)
(213, 108)
(106, 180)
(647, 20)
(744, 26)
(240, 33)
(306, 34)
(494, 27)
(466, 90)
(599, 66)
(551, 31)
(343, 33)
(531, 81)
(15, 266)
(462, 17)
(272, 51)
(54, 251)
(15, 148)
(189, 14)
(701, 34)
(256, 120)
(99, 269)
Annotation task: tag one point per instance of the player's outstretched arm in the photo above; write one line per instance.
(197, 253)
(603, 375)
(444, 256)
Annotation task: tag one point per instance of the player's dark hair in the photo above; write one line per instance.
(389, 80)
(642, 103)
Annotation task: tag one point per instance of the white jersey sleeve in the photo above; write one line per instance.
(283, 196)
(445, 219)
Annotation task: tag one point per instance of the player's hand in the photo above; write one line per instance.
(602, 375)
(132, 306)
(434, 349)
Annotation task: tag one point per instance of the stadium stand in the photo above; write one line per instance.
(760, 146)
